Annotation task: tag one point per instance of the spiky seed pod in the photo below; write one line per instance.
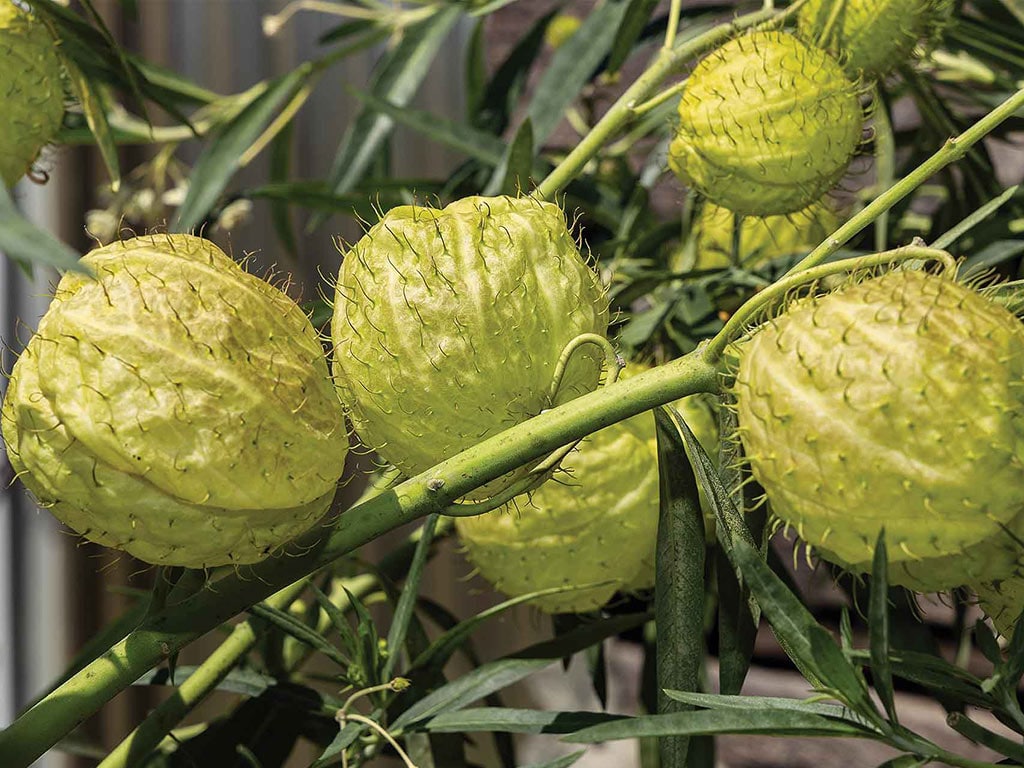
(872, 37)
(897, 402)
(1002, 601)
(767, 125)
(762, 239)
(175, 407)
(449, 323)
(597, 523)
(33, 95)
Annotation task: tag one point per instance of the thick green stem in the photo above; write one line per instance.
(951, 151)
(196, 687)
(746, 314)
(183, 621)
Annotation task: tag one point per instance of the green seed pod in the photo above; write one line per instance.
(449, 323)
(762, 239)
(872, 37)
(32, 90)
(767, 125)
(175, 407)
(895, 402)
(1002, 601)
(598, 524)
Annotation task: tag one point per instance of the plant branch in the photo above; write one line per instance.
(206, 677)
(951, 151)
(163, 634)
(737, 324)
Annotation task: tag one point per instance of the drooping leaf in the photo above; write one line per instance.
(515, 720)
(679, 594)
(463, 138)
(502, 92)
(407, 600)
(95, 109)
(572, 66)
(26, 243)
(460, 693)
(396, 81)
(712, 721)
(221, 156)
(300, 631)
(878, 627)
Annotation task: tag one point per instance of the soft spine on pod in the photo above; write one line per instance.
(33, 105)
(767, 125)
(175, 407)
(595, 523)
(895, 402)
(449, 323)
(873, 37)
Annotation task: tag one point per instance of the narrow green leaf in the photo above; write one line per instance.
(519, 161)
(280, 171)
(94, 108)
(441, 650)
(597, 668)
(679, 594)
(878, 627)
(1016, 7)
(637, 15)
(346, 737)
(506, 85)
(167, 86)
(301, 632)
(955, 233)
(739, 615)
(396, 81)
(359, 203)
(571, 68)
(1013, 667)
(460, 137)
(515, 721)
(220, 159)
(775, 703)
(766, 722)
(338, 621)
(810, 645)
(935, 674)
(512, 174)
(131, 73)
(987, 642)
(476, 69)
(407, 601)
(26, 243)
(368, 648)
(494, 676)
(246, 682)
(346, 30)
(966, 727)
(482, 681)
